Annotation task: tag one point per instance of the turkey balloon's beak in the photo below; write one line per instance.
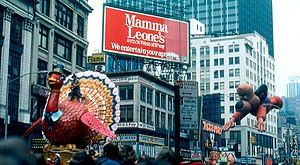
(52, 80)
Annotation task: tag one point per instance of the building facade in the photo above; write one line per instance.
(219, 65)
(293, 87)
(147, 113)
(37, 35)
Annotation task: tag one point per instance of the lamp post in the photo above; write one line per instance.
(6, 116)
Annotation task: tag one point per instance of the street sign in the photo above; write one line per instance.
(97, 58)
(189, 113)
(188, 88)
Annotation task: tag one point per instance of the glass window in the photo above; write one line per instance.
(142, 114)
(43, 37)
(231, 84)
(202, 51)
(63, 15)
(207, 62)
(163, 120)
(194, 53)
(222, 85)
(16, 29)
(231, 74)
(207, 85)
(230, 47)
(222, 109)
(126, 92)
(216, 86)
(216, 62)
(207, 50)
(62, 47)
(149, 116)
(221, 73)
(163, 101)
(170, 104)
(216, 50)
(42, 78)
(149, 95)
(216, 74)
(221, 62)
(230, 60)
(236, 48)
(237, 60)
(157, 99)
(80, 26)
(231, 109)
(126, 113)
(157, 118)
(45, 6)
(221, 49)
(80, 57)
(201, 63)
(237, 72)
(143, 93)
(231, 96)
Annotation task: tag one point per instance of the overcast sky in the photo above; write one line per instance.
(286, 22)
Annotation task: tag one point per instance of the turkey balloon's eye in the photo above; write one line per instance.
(62, 78)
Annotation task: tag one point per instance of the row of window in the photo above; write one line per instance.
(205, 50)
(231, 73)
(63, 15)
(146, 116)
(62, 46)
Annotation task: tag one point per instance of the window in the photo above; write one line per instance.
(16, 29)
(236, 48)
(43, 37)
(126, 92)
(170, 103)
(201, 63)
(63, 15)
(221, 73)
(221, 62)
(202, 51)
(157, 118)
(231, 73)
(230, 60)
(193, 50)
(216, 74)
(143, 93)
(142, 114)
(149, 116)
(202, 86)
(157, 99)
(235, 135)
(221, 49)
(222, 109)
(216, 62)
(231, 109)
(163, 120)
(221, 97)
(80, 26)
(216, 86)
(231, 84)
(207, 50)
(207, 63)
(222, 85)
(230, 47)
(126, 113)
(163, 101)
(149, 95)
(237, 83)
(42, 78)
(216, 50)
(45, 6)
(80, 57)
(237, 72)
(231, 96)
(170, 122)
(62, 47)
(237, 60)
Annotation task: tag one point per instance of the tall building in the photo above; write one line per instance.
(35, 36)
(293, 87)
(219, 64)
(223, 17)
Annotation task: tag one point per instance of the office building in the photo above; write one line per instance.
(35, 36)
(219, 65)
(293, 87)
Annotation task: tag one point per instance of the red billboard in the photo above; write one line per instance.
(145, 36)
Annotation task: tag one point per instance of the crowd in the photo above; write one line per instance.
(14, 151)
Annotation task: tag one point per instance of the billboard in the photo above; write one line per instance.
(145, 36)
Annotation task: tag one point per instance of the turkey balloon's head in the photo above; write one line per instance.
(56, 78)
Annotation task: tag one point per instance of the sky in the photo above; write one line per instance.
(286, 31)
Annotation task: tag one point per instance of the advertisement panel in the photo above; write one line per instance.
(145, 36)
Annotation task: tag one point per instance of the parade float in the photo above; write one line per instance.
(80, 109)
(256, 103)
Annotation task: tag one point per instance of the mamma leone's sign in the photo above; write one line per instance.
(145, 36)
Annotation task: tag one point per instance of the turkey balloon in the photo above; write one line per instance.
(80, 108)
(256, 103)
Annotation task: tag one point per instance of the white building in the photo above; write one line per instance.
(219, 65)
(34, 36)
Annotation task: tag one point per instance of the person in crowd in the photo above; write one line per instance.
(142, 158)
(57, 159)
(168, 156)
(110, 155)
(14, 151)
(153, 161)
(39, 159)
(127, 155)
(81, 158)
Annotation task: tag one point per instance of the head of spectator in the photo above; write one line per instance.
(143, 158)
(153, 161)
(127, 155)
(111, 151)
(81, 158)
(14, 151)
(168, 156)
